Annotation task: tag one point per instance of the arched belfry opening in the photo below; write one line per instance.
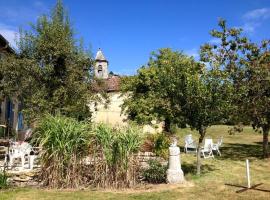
(101, 65)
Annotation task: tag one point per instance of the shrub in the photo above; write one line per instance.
(3, 180)
(161, 143)
(155, 173)
(64, 142)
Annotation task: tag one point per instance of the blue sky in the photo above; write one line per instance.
(129, 30)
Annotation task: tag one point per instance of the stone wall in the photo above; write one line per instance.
(144, 157)
(29, 177)
(24, 178)
(111, 113)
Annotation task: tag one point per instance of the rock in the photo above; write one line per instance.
(22, 179)
(30, 174)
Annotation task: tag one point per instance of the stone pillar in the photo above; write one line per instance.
(174, 173)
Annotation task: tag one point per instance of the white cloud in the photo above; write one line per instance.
(250, 27)
(254, 19)
(19, 15)
(9, 33)
(22, 13)
(262, 13)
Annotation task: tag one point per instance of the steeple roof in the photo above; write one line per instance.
(100, 56)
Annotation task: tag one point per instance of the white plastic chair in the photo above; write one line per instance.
(15, 153)
(190, 144)
(18, 151)
(217, 145)
(206, 150)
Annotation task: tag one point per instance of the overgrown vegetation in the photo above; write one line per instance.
(113, 149)
(77, 153)
(65, 142)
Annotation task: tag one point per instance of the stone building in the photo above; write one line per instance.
(111, 113)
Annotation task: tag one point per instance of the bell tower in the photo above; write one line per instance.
(101, 65)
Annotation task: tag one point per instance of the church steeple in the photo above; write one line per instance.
(101, 65)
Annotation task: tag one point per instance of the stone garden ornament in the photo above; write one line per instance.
(174, 173)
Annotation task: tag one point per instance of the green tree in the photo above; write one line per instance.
(207, 102)
(157, 91)
(247, 65)
(257, 97)
(51, 72)
(177, 89)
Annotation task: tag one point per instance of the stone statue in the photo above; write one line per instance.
(174, 173)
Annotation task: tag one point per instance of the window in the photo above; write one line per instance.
(100, 71)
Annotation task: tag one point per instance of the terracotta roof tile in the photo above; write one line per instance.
(111, 84)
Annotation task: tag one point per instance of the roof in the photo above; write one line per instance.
(111, 84)
(100, 56)
(4, 45)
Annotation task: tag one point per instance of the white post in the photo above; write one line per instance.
(248, 175)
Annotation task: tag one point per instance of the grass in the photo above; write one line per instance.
(229, 168)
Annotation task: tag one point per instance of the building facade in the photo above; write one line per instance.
(10, 107)
(111, 113)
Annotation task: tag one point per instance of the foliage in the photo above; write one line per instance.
(3, 180)
(160, 143)
(155, 173)
(207, 102)
(51, 72)
(157, 91)
(257, 95)
(247, 65)
(64, 142)
(177, 89)
(116, 147)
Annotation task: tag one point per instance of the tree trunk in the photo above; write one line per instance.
(265, 142)
(202, 131)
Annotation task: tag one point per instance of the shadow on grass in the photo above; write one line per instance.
(191, 168)
(237, 151)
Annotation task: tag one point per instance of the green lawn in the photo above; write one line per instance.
(227, 169)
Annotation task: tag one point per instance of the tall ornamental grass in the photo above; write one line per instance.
(115, 148)
(64, 142)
